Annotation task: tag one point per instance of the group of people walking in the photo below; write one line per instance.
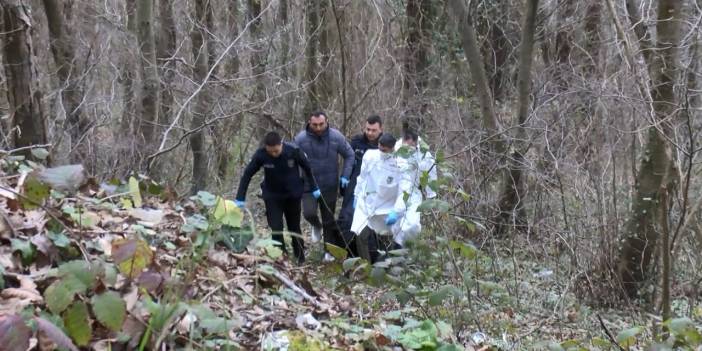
(380, 188)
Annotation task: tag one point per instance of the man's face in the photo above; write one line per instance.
(275, 150)
(409, 142)
(318, 124)
(372, 131)
(385, 149)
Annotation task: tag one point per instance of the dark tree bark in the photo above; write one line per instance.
(416, 66)
(656, 166)
(497, 47)
(259, 59)
(199, 38)
(23, 95)
(233, 18)
(127, 74)
(592, 36)
(512, 198)
(149, 99)
(66, 68)
(475, 60)
(165, 49)
(312, 30)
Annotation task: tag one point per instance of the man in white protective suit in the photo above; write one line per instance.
(385, 201)
(419, 160)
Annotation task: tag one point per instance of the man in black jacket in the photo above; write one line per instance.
(282, 187)
(360, 143)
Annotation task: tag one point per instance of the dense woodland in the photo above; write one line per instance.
(567, 136)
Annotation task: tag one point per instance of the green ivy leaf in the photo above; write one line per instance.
(58, 297)
(205, 198)
(434, 204)
(77, 322)
(109, 309)
(338, 252)
(436, 298)
(627, 338)
(135, 192)
(195, 223)
(349, 263)
(35, 192)
(26, 249)
(467, 250)
(84, 271)
(228, 213)
(131, 256)
(59, 239)
(235, 239)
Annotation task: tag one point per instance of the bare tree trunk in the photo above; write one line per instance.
(325, 83)
(258, 66)
(223, 133)
(512, 198)
(592, 36)
(149, 68)
(643, 35)
(283, 62)
(416, 64)
(496, 48)
(127, 74)
(165, 49)
(233, 26)
(65, 59)
(641, 237)
(23, 95)
(311, 68)
(343, 55)
(199, 38)
(477, 70)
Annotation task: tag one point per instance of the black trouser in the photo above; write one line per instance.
(326, 205)
(290, 207)
(369, 243)
(345, 221)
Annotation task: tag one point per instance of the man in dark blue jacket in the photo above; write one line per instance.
(282, 187)
(323, 145)
(360, 143)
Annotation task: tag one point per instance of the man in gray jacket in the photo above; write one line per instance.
(323, 145)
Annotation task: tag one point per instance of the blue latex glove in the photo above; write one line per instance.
(317, 193)
(239, 203)
(353, 204)
(391, 218)
(344, 182)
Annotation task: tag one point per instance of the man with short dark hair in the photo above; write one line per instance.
(323, 145)
(360, 143)
(282, 187)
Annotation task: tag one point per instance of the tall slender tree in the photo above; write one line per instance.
(200, 42)
(149, 99)
(71, 91)
(165, 49)
(656, 167)
(416, 66)
(28, 121)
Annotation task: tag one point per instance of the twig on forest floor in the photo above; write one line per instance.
(608, 333)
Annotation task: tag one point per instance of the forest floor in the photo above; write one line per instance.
(125, 265)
